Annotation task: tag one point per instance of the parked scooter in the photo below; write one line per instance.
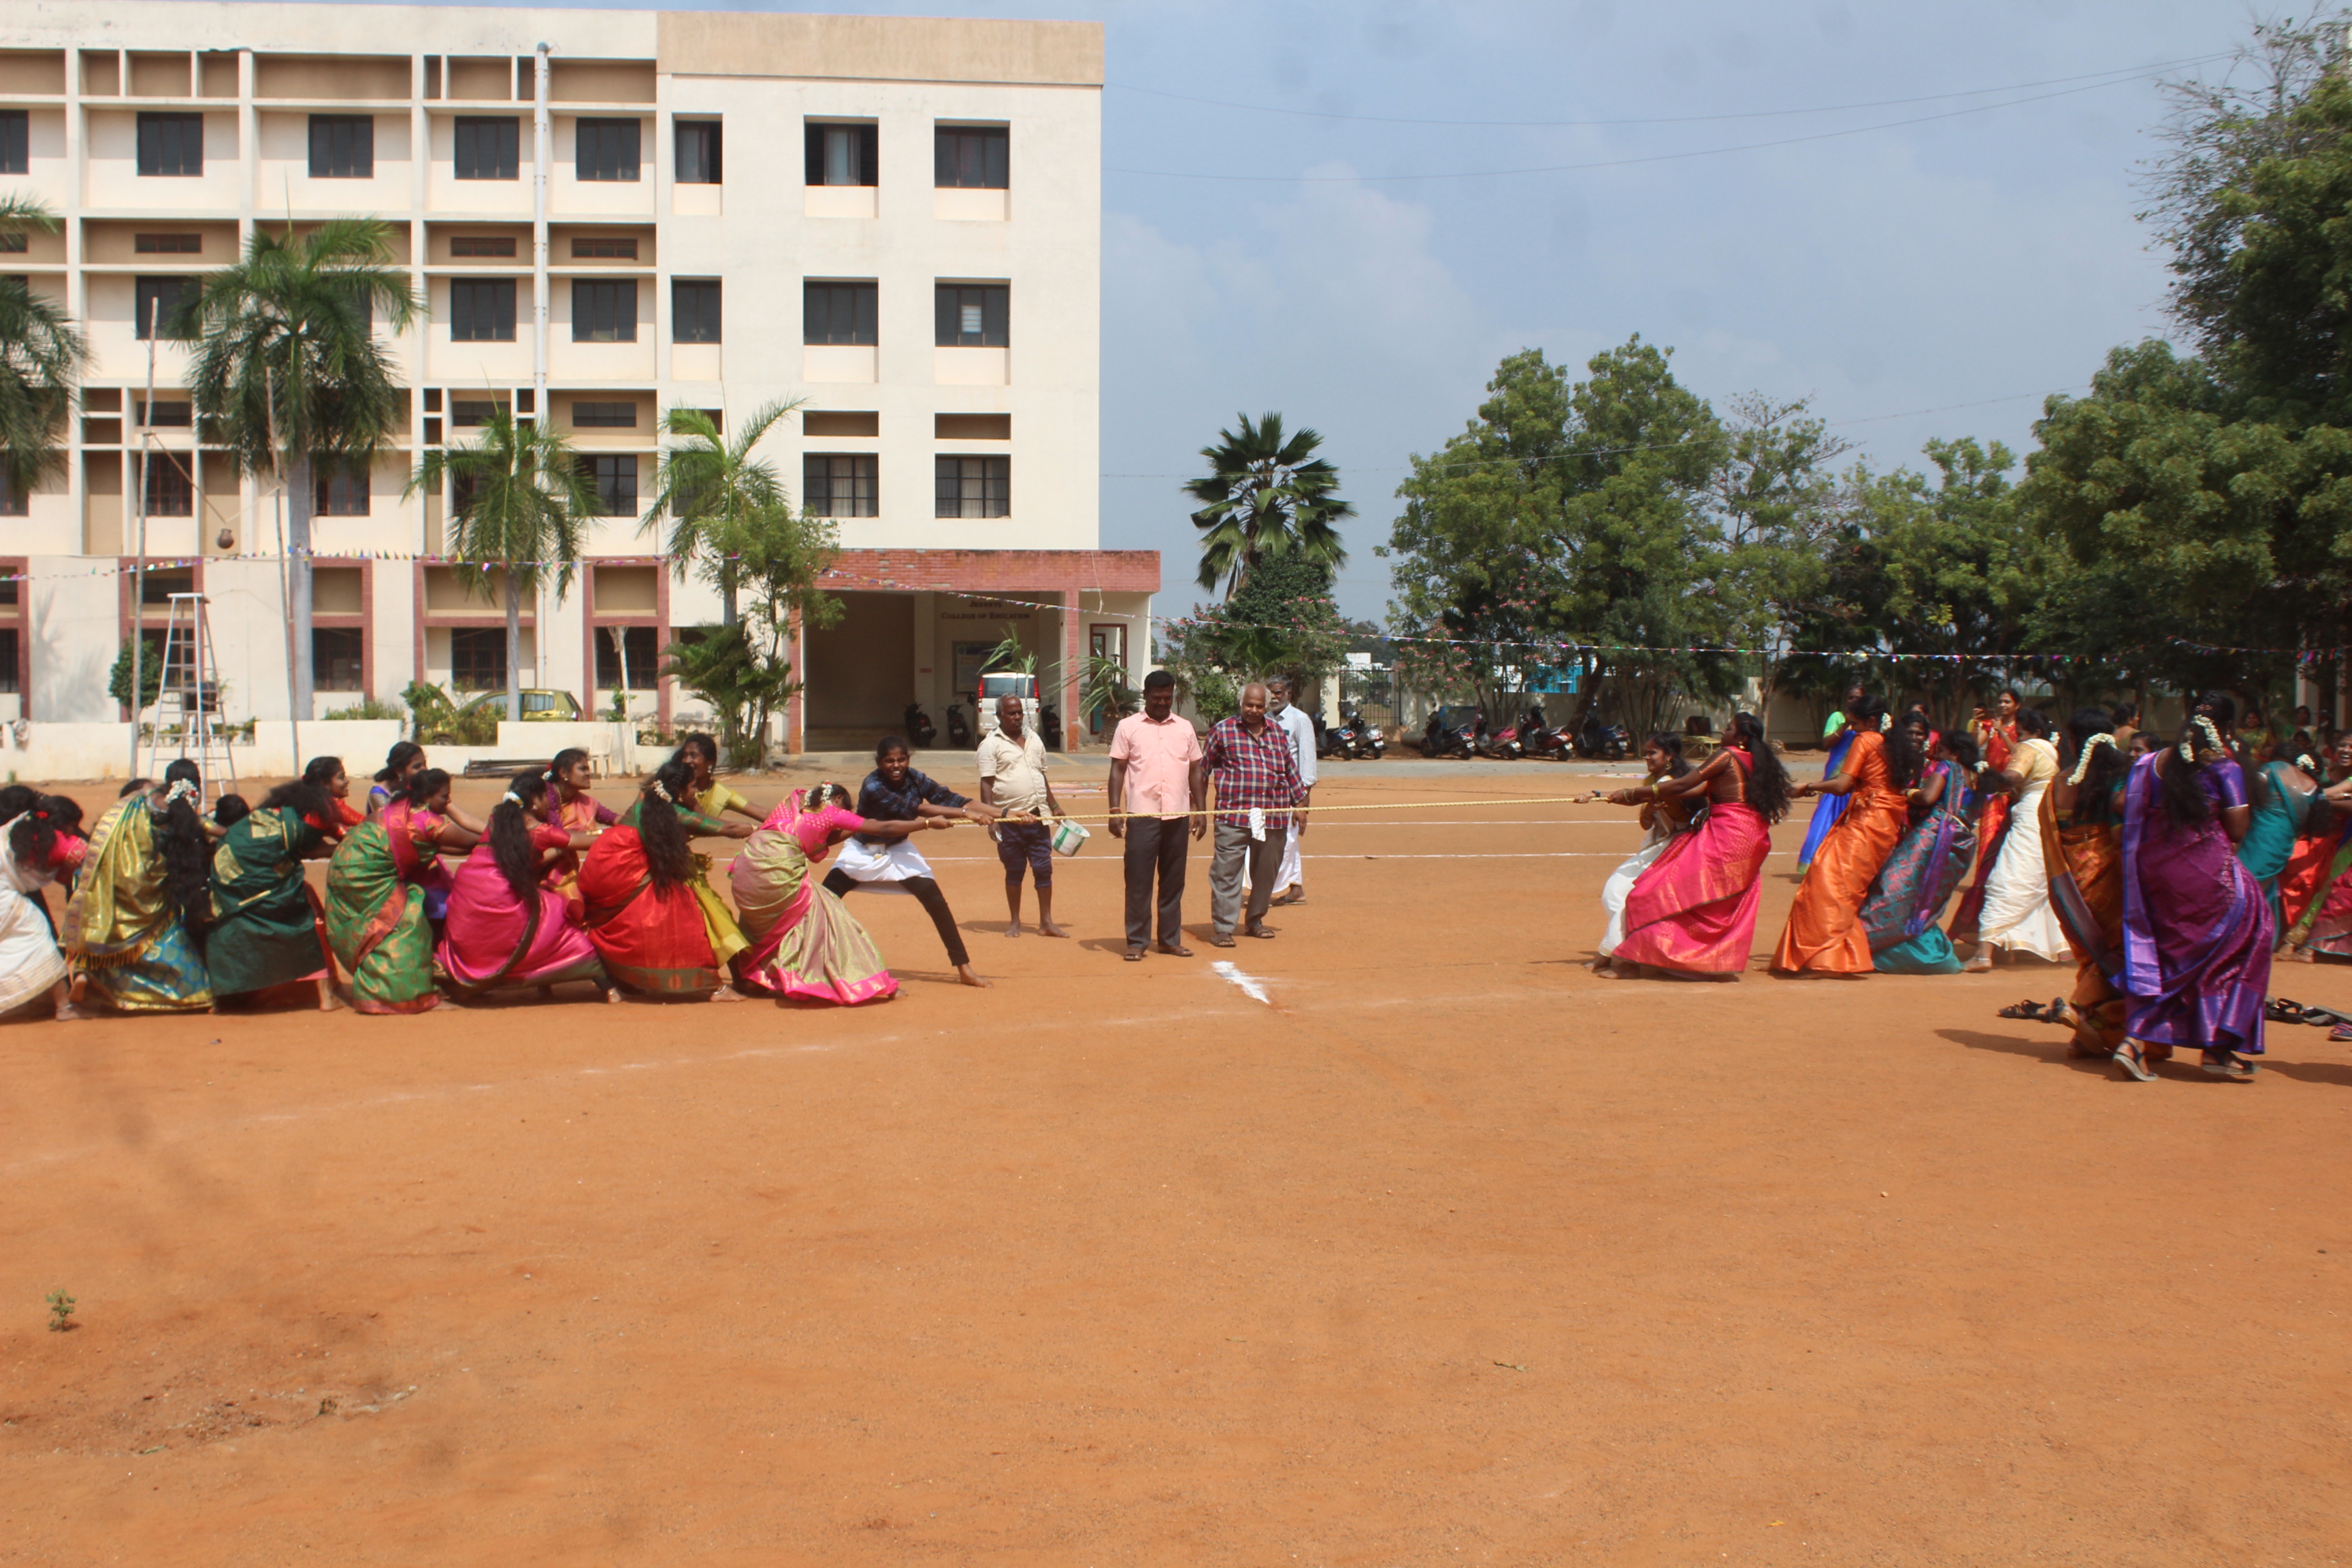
(1608, 742)
(1449, 734)
(1539, 738)
(921, 731)
(1503, 745)
(1049, 727)
(959, 727)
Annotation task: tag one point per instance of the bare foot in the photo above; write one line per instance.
(1604, 970)
(1047, 927)
(964, 974)
(1013, 929)
(614, 994)
(331, 1003)
(728, 994)
(70, 1014)
(2291, 955)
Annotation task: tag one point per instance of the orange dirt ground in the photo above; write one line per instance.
(1453, 1253)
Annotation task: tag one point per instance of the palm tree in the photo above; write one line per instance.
(518, 502)
(41, 357)
(1267, 496)
(711, 483)
(288, 370)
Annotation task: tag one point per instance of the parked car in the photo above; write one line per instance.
(538, 707)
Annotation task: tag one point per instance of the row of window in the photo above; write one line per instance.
(831, 484)
(489, 147)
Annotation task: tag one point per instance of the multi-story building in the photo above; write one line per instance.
(607, 214)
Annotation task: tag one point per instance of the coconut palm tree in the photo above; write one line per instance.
(518, 503)
(709, 484)
(41, 357)
(288, 372)
(1266, 495)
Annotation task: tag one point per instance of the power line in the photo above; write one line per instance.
(1624, 162)
(1676, 119)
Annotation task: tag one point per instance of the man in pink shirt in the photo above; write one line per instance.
(1155, 778)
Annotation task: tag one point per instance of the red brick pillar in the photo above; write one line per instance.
(1072, 654)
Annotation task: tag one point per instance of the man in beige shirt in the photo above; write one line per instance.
(1012, 779)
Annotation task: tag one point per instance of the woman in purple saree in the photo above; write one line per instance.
(1928, 865)
(2196, 932)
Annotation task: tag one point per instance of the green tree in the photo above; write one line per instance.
(518, 504)
(1282, 622)
(42, 356)
(1266, 495)
(708, 485)
(289, 373)
(745, 670)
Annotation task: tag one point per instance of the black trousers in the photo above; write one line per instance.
(839, 883)
(1154, 844)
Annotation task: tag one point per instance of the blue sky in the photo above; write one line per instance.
(1978, 256)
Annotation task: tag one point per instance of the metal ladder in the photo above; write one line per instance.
(188, 701)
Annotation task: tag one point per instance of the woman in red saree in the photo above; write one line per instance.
(1824, 934)
(1997, 738)
(1693, 910)
(505, 928)
(638, 883)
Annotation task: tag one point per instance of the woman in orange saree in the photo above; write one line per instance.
(1824, 934)
(638, 883)
(1693, 910)
(2082, 844)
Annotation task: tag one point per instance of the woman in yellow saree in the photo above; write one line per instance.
(134, 923)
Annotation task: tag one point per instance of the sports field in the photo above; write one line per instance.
(1445, 1251)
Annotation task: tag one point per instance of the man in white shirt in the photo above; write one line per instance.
(1300, 728)
(1012, 779)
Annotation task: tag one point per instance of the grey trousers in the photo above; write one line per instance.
(1234, 846)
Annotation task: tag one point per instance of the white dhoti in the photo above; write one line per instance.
(29, 960)
(1620, 887)
(1290, 876)
(2017, 912)
(881, 868)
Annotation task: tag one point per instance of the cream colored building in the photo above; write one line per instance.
(608, 214)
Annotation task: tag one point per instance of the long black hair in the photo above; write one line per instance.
(2187, 800)
(669, 858)
(1904, 758)
(187, 855)
(554, 772)
(1768, 781)
(1670, 744)
(307, 797)
(425, 785)
(39, 819)
(2107, 766)
(322, 771)
(1963, 747)
(511, 844)
(402, 754)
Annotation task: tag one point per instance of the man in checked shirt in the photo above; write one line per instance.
(1256, 783)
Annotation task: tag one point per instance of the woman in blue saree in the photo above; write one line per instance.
(1840, 735)
(1906, 904)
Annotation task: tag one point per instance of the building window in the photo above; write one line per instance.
(604, 311)
(643, 644)
(477, 658)
(699, 149)
(169, 491)
(838, 313)
(342, 147)
(479, 411)
(158, 302)
(16, 148)
(488, 147)
(971, 157)
(338, 658)
(971, 315)
(693, 310)
(614, 481)
(12, 679)
(498, 245)
(607, 148)
(166, 414)
(15, 244)
(14, 503)
(975, 486)
(843, 155)
(836, 485)
(166, 244)
(342, 490)
(604, 248)
(172, 144)
(481, 310)
(586, 415)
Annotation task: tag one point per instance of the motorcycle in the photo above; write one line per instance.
(1336, 739)
(921, 731)
(1539, 738)
(1503, 745)
(1608, 742)
(959, 727)
(1352, 738)
(1049, 727)
(1447, 736)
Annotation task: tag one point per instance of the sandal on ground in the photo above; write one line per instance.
(2129, 1058)
(1219, 939)
(2279, 1010)
(2228, 1065)
(2324, 1018)
(1135, 955)
(1175, 949)
(2023, 1010)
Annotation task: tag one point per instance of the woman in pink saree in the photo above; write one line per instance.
(504, 927)
(803, 943)
(1694, 910)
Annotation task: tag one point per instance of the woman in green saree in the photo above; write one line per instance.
(134, 924)
(375, 897)
(265, 932)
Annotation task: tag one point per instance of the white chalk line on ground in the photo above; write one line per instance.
(1235, 975)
